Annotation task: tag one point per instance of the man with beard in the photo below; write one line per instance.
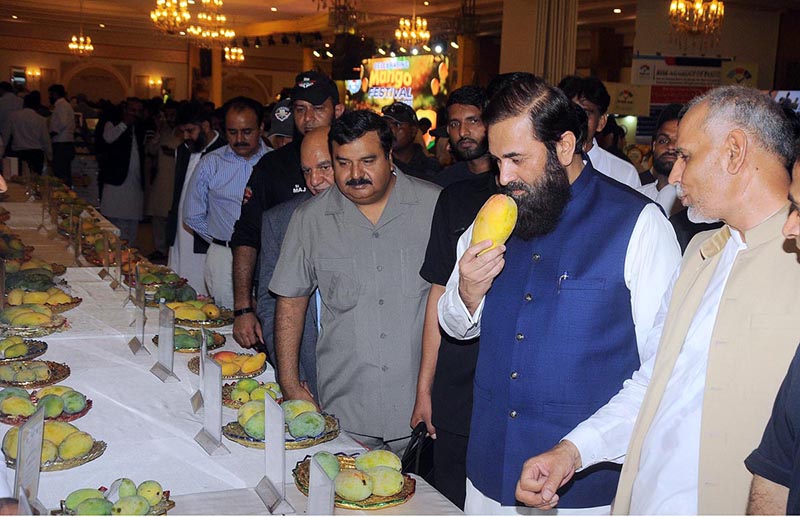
(727, 328)
(275, 179)
(563, 308)
(214, 194)
(447, 367)
(664, 156)
(467, 134)
(361, 244)
(187, 250)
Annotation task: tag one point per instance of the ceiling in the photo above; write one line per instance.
(255, 17)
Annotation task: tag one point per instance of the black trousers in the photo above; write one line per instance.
(63, 154)
(450, 466)
(33, 157)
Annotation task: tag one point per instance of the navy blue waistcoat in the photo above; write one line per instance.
(557, 342)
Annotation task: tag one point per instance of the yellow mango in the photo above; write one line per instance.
(59, 298)
(35, 297)
(75, 445)
(254, 363)
(56, 431)
(229, 368)
(30, 319)
(15, 296)
(211, 310)
(495, 221)
(176, 305)
(54, 290)
(190, 313)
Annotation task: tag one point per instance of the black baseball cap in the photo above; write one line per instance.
(400, 112)
(315, 88)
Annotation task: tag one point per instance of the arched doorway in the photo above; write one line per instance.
(96, 82)
(237, 84)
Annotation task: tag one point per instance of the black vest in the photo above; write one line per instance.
(115, 158)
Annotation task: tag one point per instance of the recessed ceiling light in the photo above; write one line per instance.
(15, 17)
(454, 44)
(182, 33)
(273, 9)
(426, 3)
(327, 45)
(102, 25)
(617, 10)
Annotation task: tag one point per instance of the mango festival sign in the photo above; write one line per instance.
(419, 81)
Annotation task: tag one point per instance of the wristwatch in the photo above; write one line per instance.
(240, 312)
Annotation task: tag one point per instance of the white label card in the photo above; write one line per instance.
(29, 456)
(320, 490)
(166, 348)
(275, 446)
(210, 436)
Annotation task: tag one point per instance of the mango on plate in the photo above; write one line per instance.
(254, 427)
(57, 432)
(353, 485)
(74, 402)
(378, 458)
(247, 385)
(211, 310)
(254, 363)
(78, 496)
(131, 505)
(307, 425)
(49, 451)
(15, 296)
(495, 221)
(10, 441)
(240, 395)
(150, 490)
(58, 298)
(17, 406)
(328, 462)
(53, 405)
(30, 319)
(190, 313)
(292, 408)
(229, 369)
(75, 445)
(247, 410)
(52, 390)
(94, 506)
(18, 350)
(386, 481)
(35, 297)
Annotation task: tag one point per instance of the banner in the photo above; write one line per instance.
(628, 99)
(677, 71)
(419, 81)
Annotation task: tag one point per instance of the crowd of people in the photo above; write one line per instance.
(623, 351)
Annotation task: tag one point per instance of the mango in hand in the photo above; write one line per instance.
(495, 221)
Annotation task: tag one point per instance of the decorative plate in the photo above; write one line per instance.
(35, 349)
(57, 324)
(63, 417)
(218, 340)
(58, 372)
(373, 502)
(228, 402)
(225, 318)
(97, 450)
(194, 367)
(234, 432)
(161, 508)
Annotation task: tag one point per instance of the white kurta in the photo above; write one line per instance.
(182, 258)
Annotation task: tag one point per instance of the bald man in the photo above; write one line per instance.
(315, 162)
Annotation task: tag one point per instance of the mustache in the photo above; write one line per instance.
(467, 140)
(355, 182)
(241, 144)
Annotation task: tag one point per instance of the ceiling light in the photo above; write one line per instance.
(316, 53)
(414, 51)
(102, 25)
(328, 53)
(170, 16)
(438, 48)
(426, 48)
(327, 45)
(617, 10)
(381, 52)
(257, 44)
(15, 17)
(182, 33)
(392, 54)
(454, 44)
(402, 49)
(426, 3)
(273, 9)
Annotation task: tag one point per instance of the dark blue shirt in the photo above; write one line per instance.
(778, 456)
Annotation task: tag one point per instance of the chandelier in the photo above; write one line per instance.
(81, 45)
(412, 32)
(698, 18)
(210, 28)
(234, 55)
(171, 16)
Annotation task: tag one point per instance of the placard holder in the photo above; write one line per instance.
(45, 204)
(166, 349)
(320, 490)
(118, 268)
(70, 228)
(136, 344)
(272, 487)
(29, 459)
(197, 398)
(104, 271)
(210, 436)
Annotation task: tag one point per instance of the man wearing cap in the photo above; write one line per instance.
(408, 155)
(281, 127)
(275, 179)
(214, 194)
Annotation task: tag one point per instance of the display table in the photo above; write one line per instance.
(148, 425)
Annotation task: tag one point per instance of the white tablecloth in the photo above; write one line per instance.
(149, 425)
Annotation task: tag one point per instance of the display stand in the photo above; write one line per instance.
(29, 459)
(166, 345)
(210, 436)
(272, 487)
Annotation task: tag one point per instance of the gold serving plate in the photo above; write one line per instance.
(35, 349)
(235, 433)
(97, 450)
(64, 307)
(58, 372)
(57, 324)
(63, 417)
(194, 367)
(373, 502)
(228, 402)
(218, 341)
(225, 319)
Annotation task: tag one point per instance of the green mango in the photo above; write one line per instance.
(131, 505)
(378, 458)
(247, 385)
(94, 506)
(307, 425)
(185, 341)
(82, 494)
(151, 490)
(185, 293)
(386, 481)
(12, 391)
(353, 485)
(74, 402)
(53, 405)
(328, 462)
(254, 427)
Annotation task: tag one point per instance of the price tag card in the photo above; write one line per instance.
(136, 343)
(29, 457)
(138, 292)
(166, 349)
(210, 436)
(197, 398)
(272, 487)
(104, 271)
(320, 490)
(118, 268)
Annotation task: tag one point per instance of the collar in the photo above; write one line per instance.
(216, 135)
(262, 150)
(764, 232)
(403, 192)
